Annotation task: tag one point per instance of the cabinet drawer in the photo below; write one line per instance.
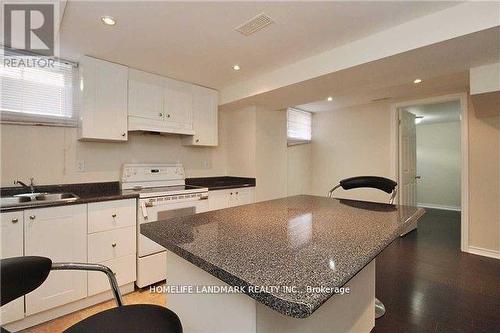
(111, 244)
(124, 269)
(108, 215)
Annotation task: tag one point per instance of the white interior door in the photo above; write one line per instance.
(407, 159)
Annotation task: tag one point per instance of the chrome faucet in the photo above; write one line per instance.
(31, 186)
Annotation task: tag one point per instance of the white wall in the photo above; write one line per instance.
(238, 136)
(256, 147)
(351, 142)
(439, 164)
(299, 169)
(484, 79)
(484, 181)
(50, 155)
(271, 154)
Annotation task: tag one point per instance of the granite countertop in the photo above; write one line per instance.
(221, 182)
(298, 241)
(87, 192)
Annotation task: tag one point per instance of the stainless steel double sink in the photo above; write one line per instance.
(28, 199)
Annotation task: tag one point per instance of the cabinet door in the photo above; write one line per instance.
(145, 95)
(59, 233)
(241, 196)
(233, 198)
(245, 196)
(12, 246)
(205, 111)
(218, 199)
(105, 91)
(178, 104)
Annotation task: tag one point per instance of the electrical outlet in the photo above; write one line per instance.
(80, 165)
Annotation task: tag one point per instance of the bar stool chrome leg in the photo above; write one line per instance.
(379, 308)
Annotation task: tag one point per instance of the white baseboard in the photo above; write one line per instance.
(443, 207)
(484, 252)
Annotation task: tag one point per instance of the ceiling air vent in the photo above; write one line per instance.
(254, 24)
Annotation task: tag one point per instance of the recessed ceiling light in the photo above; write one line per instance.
(236, 67)
(108, 20)
(329, 99)
(418, 119)
(417, 81)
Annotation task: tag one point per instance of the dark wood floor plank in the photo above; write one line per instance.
(428, 285)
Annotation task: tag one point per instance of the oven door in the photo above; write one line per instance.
(158, 211)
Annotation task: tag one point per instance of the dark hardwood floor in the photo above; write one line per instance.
(428, 285)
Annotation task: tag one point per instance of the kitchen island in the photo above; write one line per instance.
(285, 257)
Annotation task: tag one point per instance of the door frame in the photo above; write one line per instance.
(464, 148)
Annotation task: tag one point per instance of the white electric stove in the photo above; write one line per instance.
(163, 194)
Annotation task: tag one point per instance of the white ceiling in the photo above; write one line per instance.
(443, 67)
(196, 42)
(436, 113)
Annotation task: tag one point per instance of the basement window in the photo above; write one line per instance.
(37, 90)
(299, 126)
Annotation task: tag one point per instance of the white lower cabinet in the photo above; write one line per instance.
(123, 268)
(221, 199)
(12, 246)
(112, 242)
(241, 196)
(101, 232)
(58, 233)
(110, 215)
(218, 199)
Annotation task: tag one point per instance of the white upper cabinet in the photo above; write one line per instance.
(205, 125)
(103, 114)
(145, 92)
(178, 105)
(159, 104)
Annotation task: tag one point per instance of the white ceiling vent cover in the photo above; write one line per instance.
(254, 24)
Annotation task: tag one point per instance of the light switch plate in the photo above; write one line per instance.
(80, 165)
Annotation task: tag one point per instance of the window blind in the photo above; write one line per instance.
(35, 94)
(299, 126)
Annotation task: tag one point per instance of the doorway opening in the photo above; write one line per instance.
(431, 155)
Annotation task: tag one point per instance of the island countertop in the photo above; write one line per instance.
(300, 242)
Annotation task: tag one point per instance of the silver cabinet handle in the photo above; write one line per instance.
(113, 216)
(15, 220)
(113, 245)
(32, 217)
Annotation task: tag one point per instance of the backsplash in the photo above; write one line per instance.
(52, 155)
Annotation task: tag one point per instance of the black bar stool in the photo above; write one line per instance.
(21, 275)
(384, 184)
